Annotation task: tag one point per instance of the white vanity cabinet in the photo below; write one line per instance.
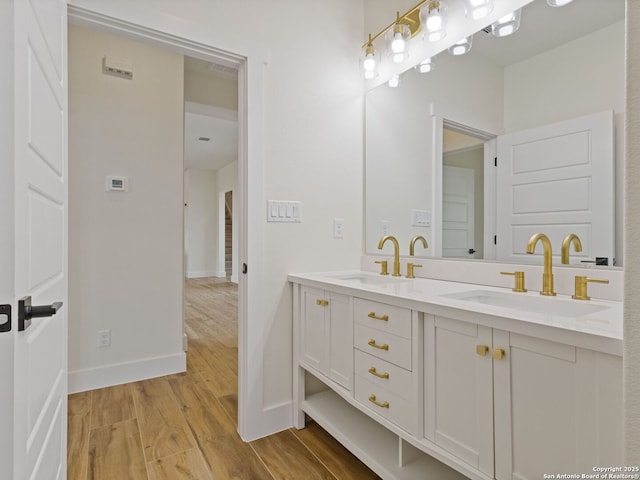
(419, 385)
(326, 330)
(526, 405)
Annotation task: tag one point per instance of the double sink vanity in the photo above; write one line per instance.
(434, 378)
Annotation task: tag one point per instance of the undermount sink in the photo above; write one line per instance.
(371, 279)
(530, 303)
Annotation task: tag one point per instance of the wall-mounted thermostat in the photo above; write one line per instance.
(117, 184)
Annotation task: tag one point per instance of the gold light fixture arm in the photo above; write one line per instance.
(411, 19)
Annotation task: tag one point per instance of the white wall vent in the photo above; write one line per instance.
(117, 67)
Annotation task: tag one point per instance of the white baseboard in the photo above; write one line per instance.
(272, 420)
(109, 375)
(221, 274)
(202, 274)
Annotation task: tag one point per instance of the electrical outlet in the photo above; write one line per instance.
(338, 228)
(104, 338)
(384, 228)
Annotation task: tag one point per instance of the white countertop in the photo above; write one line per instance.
(558, 318)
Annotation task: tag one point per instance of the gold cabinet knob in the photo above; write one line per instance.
(498, 353)
(482, 350)
(383, 267)
(519, 281)
(373, 343)
(581, 287)
(410, 267)
(322, 303)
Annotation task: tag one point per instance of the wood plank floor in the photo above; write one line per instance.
(184, 426)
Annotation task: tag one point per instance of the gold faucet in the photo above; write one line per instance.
(566, 244)
(547, 276)
(412, 244)
(396, 253)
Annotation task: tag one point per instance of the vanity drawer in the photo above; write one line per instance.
(386, 346)
(388, 318)
(383, 374)
(387, 404)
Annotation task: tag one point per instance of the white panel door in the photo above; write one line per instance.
(40, 199)
(557, 179)
(458, 217)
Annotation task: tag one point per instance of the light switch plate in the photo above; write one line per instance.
(338, 228)
(284, 211)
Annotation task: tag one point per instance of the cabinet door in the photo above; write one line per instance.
(327, 334)
(340, 334)
(557, 408)
(313, 328)
(459, 390)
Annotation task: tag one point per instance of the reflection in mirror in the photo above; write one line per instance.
(462, 194)
(542, 75)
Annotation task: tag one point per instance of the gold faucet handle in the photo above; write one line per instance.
(519, 277)
(581, 287)
(410, 267)
(383, 267)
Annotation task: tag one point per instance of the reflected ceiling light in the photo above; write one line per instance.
(426, 66)
(398, 37)
(394, 81)
(477, 9)
(506, 25)
(558, 3)
(462, 46)
(432, 20)
(370, 59)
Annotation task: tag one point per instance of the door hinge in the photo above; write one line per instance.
(5, 311)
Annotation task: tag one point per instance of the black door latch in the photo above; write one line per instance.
(26, 312)
(5, 310)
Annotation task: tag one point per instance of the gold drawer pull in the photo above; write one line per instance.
(499, 353)
(384, 318)
(373, 400)
(322, 303)
(373, 343)
(482, 350)
(373, 371)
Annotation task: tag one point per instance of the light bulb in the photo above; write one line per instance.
(394, 81)
(433, 21)
(477, 9)
(398, 44)
(461, 47)
(369, 63)
(506, 25)
(369, 74)
(425, 66)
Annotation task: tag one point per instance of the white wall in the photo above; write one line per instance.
(201, 223)
(212, 90)
(311, 151)
(631, 358)
(125, 271)
(579, 78)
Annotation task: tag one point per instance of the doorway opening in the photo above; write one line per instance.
(239, 171)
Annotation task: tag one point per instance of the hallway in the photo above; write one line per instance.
(184, 426)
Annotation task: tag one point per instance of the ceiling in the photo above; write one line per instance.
(210, 133)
